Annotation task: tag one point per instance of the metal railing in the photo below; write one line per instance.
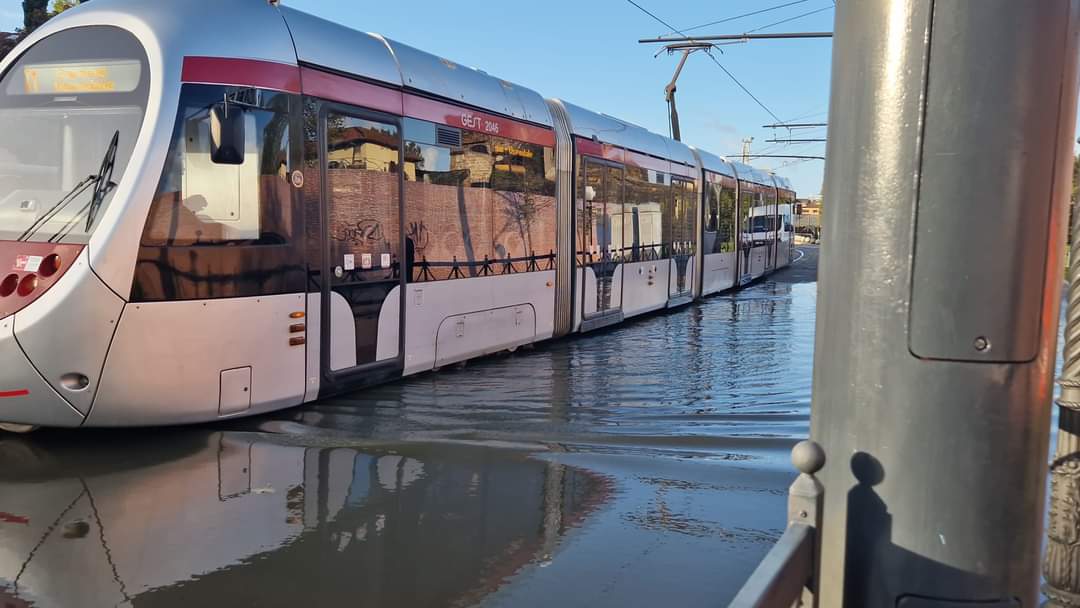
(786, 577)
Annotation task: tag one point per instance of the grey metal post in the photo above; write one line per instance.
(949, 164)
(785, 578)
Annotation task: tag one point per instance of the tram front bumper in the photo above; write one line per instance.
(25, 397)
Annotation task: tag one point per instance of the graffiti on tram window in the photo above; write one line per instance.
(419, 236)
(365, 231)
(362, 173)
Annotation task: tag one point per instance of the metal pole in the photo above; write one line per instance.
(669, 94)
(798, 156)
(949, 162)
(794, 125)
(778, 36)
(795, 141)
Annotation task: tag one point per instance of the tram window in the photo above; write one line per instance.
(61, 104)
(477, 205)
(208, 199)
(681, 239)
(645, 195)
(726, 238)
(362, 185)
(712, 208)
(747, 200)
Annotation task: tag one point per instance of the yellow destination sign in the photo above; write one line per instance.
(73, 78)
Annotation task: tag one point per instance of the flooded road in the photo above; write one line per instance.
(647, 464)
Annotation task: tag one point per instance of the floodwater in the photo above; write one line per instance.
(644, 465)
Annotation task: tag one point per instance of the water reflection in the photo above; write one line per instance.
(200, 517)
(730, 367)
(479, 485)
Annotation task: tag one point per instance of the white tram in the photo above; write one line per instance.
(212, 217)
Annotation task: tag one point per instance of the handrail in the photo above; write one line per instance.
(788, 575)
(786, 571)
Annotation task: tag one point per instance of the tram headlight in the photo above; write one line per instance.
(50, 265)
(10, 284)
(28, 284)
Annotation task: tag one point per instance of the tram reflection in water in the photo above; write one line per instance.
(209, 517)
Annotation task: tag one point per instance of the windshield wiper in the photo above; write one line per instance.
(57, 208)
(102, 184)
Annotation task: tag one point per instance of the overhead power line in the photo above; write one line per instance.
(741, 86)
(662, 22)
(736, 17)
(717, 62)
(814, 12)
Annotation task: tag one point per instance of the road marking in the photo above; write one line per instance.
(802, 254)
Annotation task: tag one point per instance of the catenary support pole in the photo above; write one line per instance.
(949, 166)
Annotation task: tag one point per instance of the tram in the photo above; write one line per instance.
(195, 227)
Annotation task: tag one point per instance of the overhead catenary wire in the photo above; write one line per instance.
(715, 60)
(742, 16)
(813, 12)
(742, 86)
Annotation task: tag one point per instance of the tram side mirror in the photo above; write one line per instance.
(227, 135)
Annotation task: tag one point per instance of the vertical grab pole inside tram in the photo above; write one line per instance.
(948, 173)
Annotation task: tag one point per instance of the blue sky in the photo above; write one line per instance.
(586, 51)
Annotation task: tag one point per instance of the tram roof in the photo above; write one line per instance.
(712, 162)
(371, 56)
(610, 130)
(752, 174)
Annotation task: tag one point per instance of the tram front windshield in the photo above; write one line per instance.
(70, 111)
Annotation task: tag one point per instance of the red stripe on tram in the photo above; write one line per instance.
(242, 72)
(19, 393)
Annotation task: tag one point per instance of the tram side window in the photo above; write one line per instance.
(681, 241)
(712, 208)
(226, 174)
(362, 185)
(646, 194)
(719, 218)
(726, 237)
(747, 200)
(476, 205)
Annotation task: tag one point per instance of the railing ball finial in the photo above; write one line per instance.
(808, 457)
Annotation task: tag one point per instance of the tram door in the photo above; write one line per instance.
(361, 240)
(601, 235)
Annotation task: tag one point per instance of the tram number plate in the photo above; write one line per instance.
(28, 263)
